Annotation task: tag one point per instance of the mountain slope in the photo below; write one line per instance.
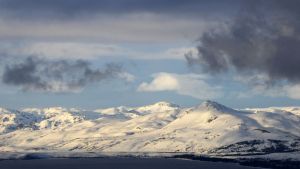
(209, 128)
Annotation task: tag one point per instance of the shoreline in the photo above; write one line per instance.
(251, 161)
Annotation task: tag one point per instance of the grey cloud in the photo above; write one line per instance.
(56, 76)
(110, 20)
(60, 9)
(263, 38)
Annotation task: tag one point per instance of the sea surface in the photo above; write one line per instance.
(117, 163)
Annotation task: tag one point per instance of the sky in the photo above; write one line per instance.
(102, 53)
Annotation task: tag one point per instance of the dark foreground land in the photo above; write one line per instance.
(254, 162)
(117, 163)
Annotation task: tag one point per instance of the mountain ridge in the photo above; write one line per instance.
(207, 128)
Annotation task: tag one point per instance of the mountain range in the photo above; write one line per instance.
(206, 129)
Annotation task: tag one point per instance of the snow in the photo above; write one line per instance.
(209, 128)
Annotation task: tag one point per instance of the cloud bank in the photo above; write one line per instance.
(261, 45)
(68, 9)
(263, 38)
(184, 84)
(58, 76)
(151, 21)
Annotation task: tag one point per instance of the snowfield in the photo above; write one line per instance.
(209, 128)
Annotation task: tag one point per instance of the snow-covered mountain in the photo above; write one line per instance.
(209, 128)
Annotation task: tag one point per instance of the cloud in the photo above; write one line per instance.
(68, 9)
(58, 76)
(180, 52)
(61, 50)
(161, 82)
(262, 39)
(259, 87)
(149, 21)
(56, 50)
(128, 77)
(133, 28)
(87, 51)
(184, 84)
(292, 91)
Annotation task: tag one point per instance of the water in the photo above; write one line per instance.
(116, 163)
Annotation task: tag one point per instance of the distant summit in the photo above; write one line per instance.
(212, 105)
(165, 104)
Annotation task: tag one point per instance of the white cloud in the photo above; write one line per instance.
(184, 84)
(161, 82)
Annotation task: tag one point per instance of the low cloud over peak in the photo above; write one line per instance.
(183, 84)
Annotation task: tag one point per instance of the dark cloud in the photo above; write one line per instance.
(110, 20)
(60, 9)
(56, 76)
(263, 38)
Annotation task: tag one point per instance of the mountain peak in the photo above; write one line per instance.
(165, 104)
(208, 104)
